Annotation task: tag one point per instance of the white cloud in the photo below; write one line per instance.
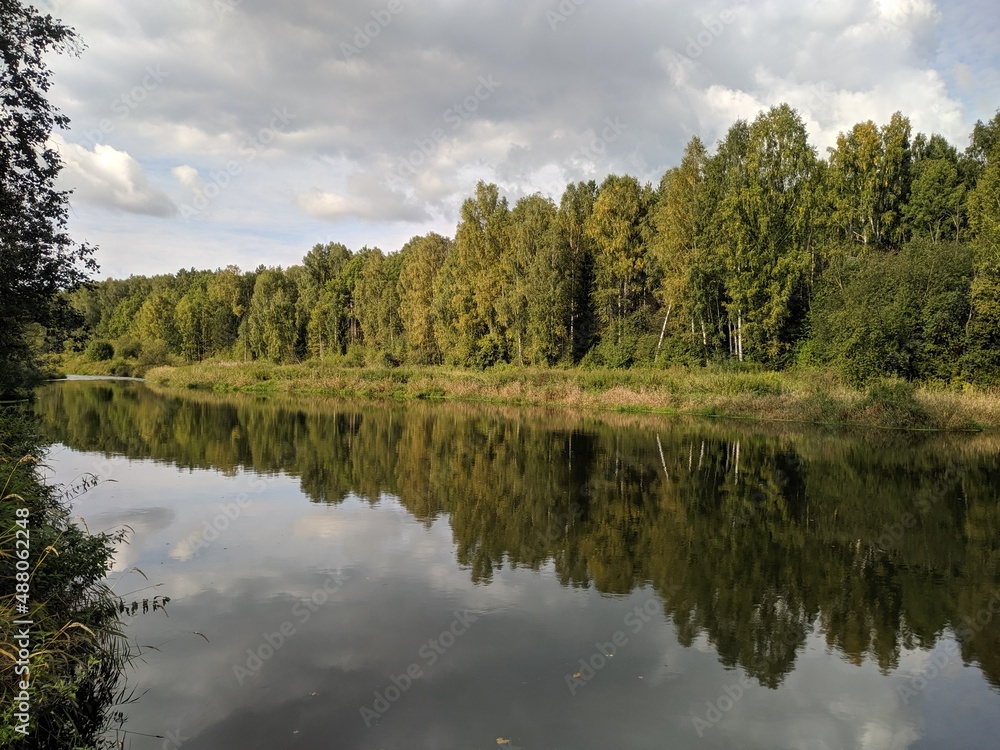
(110, 179)
(189, 178)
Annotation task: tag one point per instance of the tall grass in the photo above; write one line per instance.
(803, 395)
(78, 651)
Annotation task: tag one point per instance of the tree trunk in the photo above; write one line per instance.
(739, 335)
(664, 329)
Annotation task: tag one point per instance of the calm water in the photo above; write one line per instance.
(441, 576)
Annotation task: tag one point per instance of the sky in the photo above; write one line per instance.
(206, 133)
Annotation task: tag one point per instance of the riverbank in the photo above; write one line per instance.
(58, 616)
(811, 396)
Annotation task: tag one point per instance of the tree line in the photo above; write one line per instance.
(883, 259)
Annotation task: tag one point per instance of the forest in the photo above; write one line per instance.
(880, 260)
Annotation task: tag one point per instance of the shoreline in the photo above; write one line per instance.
(801, 396)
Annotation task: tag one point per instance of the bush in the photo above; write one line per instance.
(261, 373)
(491, 352)
(121, 369)
(154, 354)
(355, 356)
(129, 349)
(893, 403)
(99, 351)
(900, 314)
(381, 359)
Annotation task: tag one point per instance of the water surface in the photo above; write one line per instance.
(445, 576)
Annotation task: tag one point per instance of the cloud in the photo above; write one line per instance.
(188, 177)
(110, 179)
(365, 198)
(412, 92)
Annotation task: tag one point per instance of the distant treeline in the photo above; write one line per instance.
(882, 260)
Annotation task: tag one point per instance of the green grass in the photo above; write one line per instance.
(802, 395)
(78, 653)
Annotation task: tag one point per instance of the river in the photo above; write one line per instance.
(446, 576)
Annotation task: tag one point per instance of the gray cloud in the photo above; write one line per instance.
(377, 86)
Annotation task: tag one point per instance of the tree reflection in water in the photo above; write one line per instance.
(881, 541)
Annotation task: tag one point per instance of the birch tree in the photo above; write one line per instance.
(766, 221)
(422, 259)
(617, 227)
(869, 181)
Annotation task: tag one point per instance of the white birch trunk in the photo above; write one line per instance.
(664, 329)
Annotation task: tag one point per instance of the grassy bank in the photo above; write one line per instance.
(803, 396)
(74, 649)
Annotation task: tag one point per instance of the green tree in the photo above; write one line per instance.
(228, 293)
(37, 256)
(323, 265)
(936, 206)
(193, 319)
(766, 231)
(983, 358)
(725, 175)
(533, 306)
(899, 314)
(271, 329)
(985, 137)
(468, 329)
(575, 207)
(688, 285)
(156, 321)
(422, 259)
(617, 227)
(377, 303)
(869, 182)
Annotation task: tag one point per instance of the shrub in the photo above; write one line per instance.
(129, 349)
(100, 351)
(893, 403)
(380, 359)
(491, 352)
(121, 369)
(154, 354)
(355, 356)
